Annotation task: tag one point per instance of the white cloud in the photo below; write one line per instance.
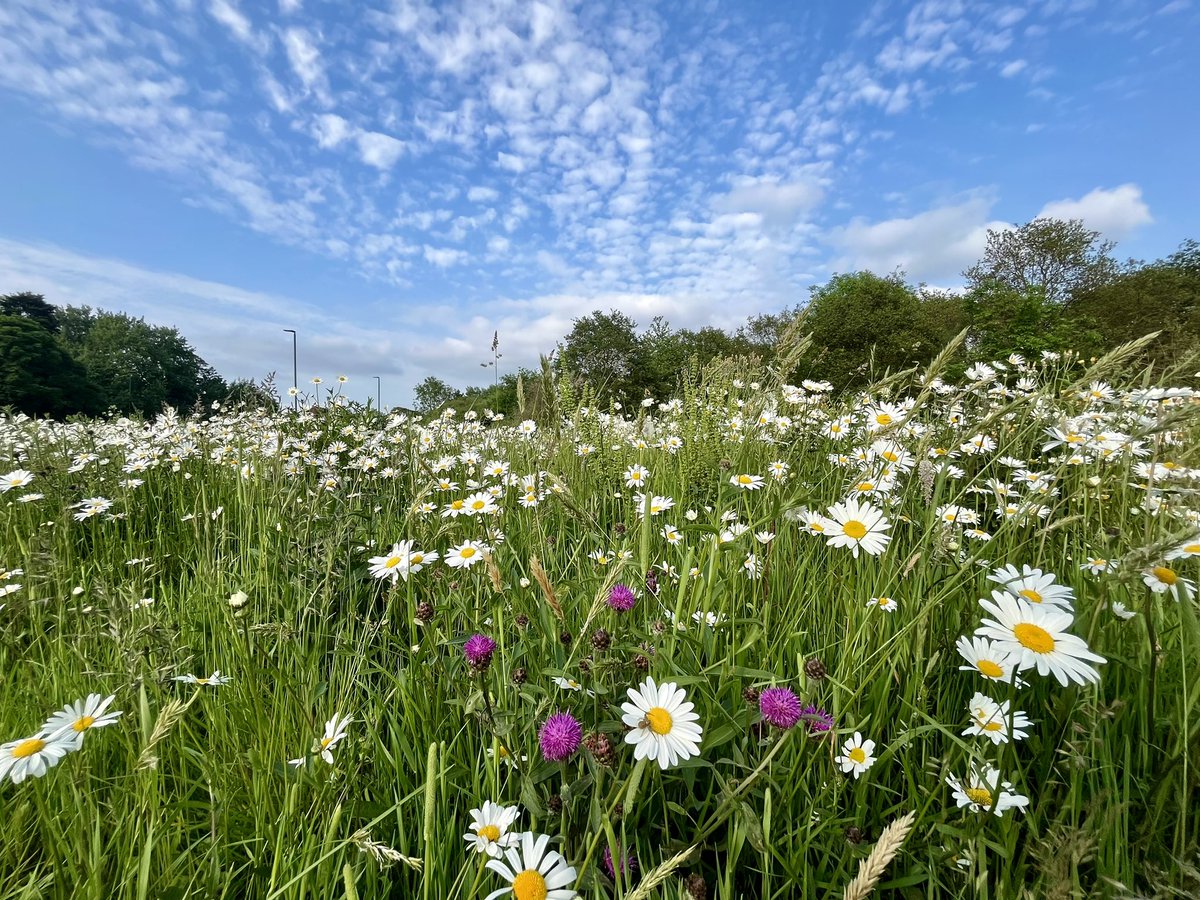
(379, 150)
(305, 58)
(479, 194)
(225, 12)
(779, 204)
(331, 130)
(1008, 70)
(444, 257)
(1114, 212)
(935, 245)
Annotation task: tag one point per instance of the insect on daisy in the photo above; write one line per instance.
(489, 832)
(533, 872)
(663, 726)
(83, 715)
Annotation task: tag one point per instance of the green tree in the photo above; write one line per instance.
(138, 367)
(1163, 296)
(37, 376)
(605, 350)
(433, 393)
(863, 324)
(27, 305)
(1008, 320)
(1061, 258)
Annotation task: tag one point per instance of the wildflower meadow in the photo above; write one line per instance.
(938, 638)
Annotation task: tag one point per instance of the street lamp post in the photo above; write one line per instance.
(295, 376)
(378, 404)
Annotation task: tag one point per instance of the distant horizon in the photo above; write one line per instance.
(399, 187)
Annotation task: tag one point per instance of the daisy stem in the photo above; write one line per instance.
(627, 787)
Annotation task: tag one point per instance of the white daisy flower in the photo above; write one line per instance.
(662, 725)
(994, 721)
(1165, 580)
(33, 756)
(532, 872)
(985, 658)
(857, 755)
(1033, 585)
(857, 525)
(489, 832)
(1037, 636)
(982, 791)
(75, 718)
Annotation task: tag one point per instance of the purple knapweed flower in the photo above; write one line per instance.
(780, 707)
(621, 598)
(627, 861)
(560, 736)
(818, 720)
(478, 650)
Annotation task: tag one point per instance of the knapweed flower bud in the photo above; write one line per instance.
(815, 669)
(425, 612)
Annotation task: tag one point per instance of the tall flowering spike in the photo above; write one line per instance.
(560, 737)
(621, 598)
(478, 650)
(780, 707)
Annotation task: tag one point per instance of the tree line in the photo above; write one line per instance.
(1047, 285)
(59, 361)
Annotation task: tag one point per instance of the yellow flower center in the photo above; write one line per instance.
(659, 720)
(866, 486)
(890, 456)
(989, 668)
(1165, 575)
(478, 504)
(491, 832)
(858, 755)
(883, 419)
(744, 479)
(993, 726)
(1031, 595)
(392, 562)
(325, 742)
(27, 748)
(467, 552)
(979, 795)
(1191, 548)
(201, 681)
(83, 723)
(855, 529)
(1034, 637)
(529, 885)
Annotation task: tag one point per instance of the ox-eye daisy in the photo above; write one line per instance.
(532, 872)
(857, 526)
(995, 721)
(1165, 580)
(1033, 585)
(662, 725)
(33, 756)
(987, 659)
(982, 791)
(489, 832)
(857, 755)
(1037, 636)
(75, 718)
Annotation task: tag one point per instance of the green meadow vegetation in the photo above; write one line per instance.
(934, 636)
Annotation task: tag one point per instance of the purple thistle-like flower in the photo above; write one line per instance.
(628, 863)
(478, 650)
(621, 598)
(560, 736)
(818, 719)
(780, 707)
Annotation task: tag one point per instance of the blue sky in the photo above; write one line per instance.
(399, 179)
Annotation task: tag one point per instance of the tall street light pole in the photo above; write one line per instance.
(378, 404)
(295, 376)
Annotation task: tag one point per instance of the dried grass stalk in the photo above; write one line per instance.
(870, 870)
